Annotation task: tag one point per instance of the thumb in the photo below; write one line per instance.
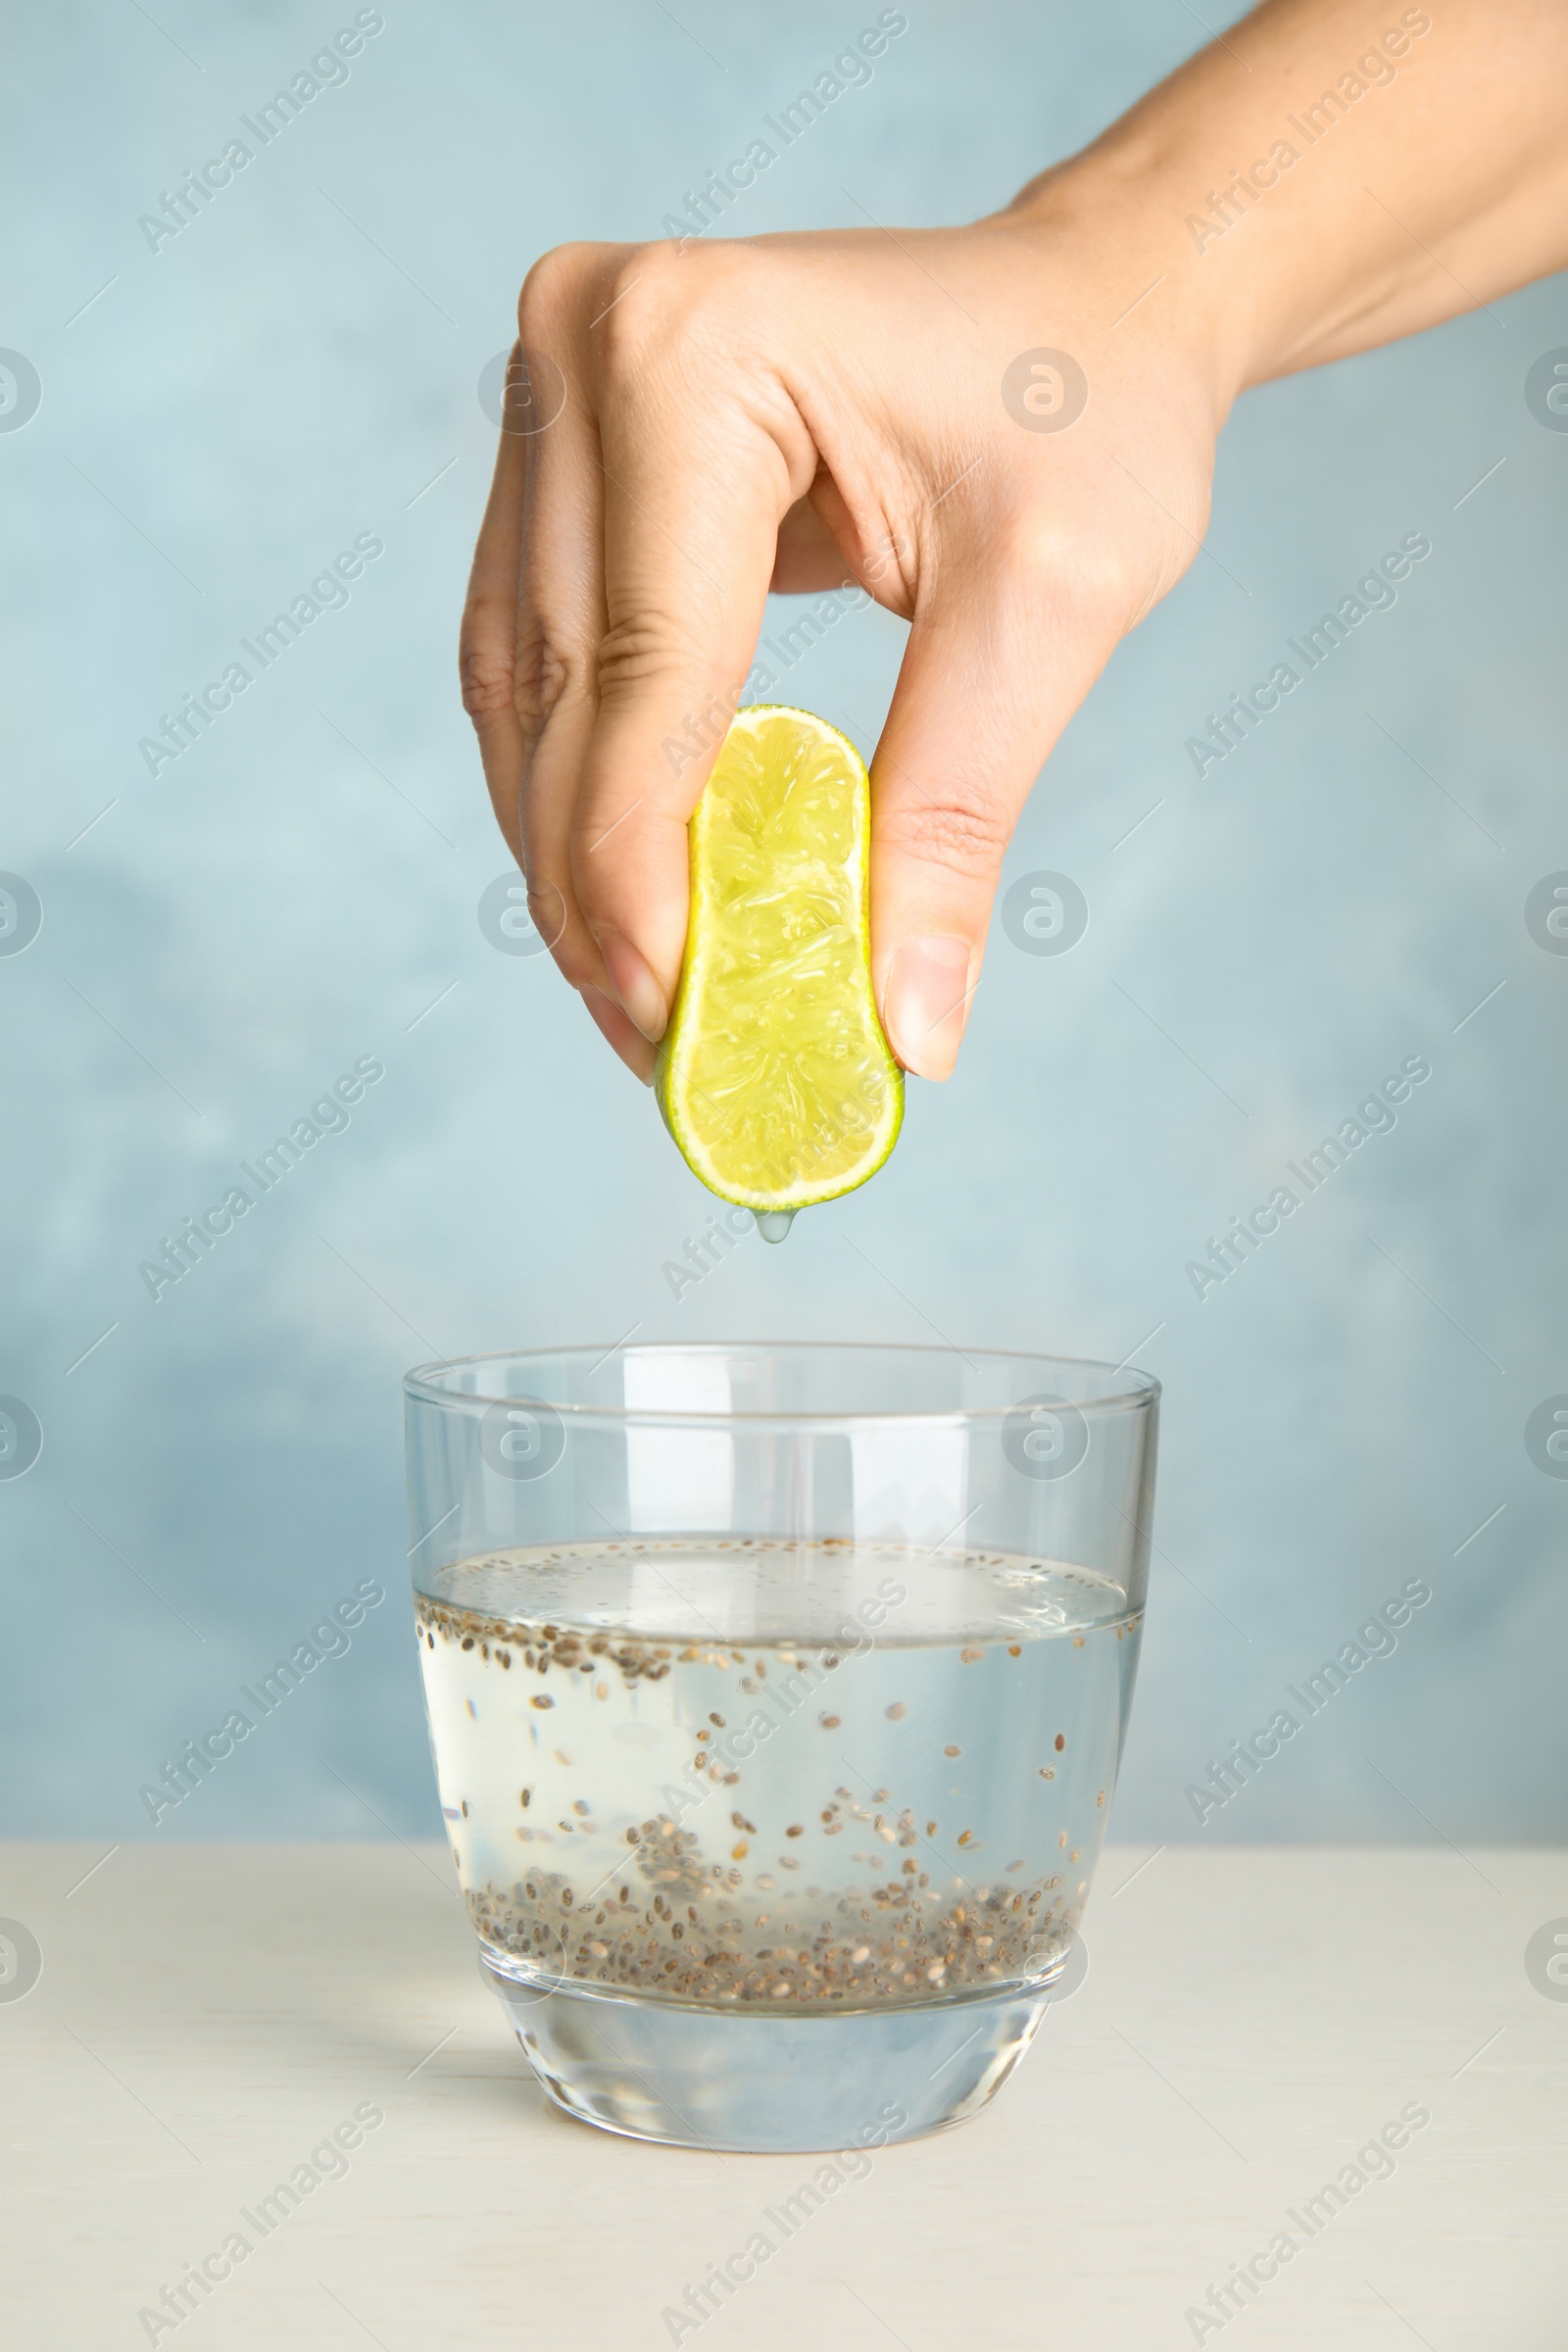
(993, 670)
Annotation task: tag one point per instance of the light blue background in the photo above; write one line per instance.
(299, 367)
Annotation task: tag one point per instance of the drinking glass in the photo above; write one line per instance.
(776, 1695)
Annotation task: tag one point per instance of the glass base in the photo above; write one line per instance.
(719, 2079)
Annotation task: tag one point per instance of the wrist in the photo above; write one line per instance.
(1119, 212)
(1280, 182)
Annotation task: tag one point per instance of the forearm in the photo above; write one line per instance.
(1329, 175)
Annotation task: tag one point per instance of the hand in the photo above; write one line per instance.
(801, 411)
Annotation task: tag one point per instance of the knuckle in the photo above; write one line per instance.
(636, 653)
(963, 832)
(484, 672)
(1103, 582)
(1071, 571)
(550, 673)
(654, 297)
(553, 287)
(645, 299)
(1092, 580)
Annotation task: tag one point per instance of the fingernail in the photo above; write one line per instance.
(619, 1035)
(926, 1003)
(634, 984)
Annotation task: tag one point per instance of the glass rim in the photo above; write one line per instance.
(422, 1384)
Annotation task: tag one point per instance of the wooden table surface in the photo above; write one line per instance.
(206, 2016)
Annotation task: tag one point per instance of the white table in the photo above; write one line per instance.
(206, 2016)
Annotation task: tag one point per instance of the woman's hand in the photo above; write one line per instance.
(1003, 433)
(803, 412)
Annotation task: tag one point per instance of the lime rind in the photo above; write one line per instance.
(774, 1077)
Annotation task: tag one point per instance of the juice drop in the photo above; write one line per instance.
(774, 1223)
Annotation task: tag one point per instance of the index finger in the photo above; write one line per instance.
(703, 458)
(487, 645)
